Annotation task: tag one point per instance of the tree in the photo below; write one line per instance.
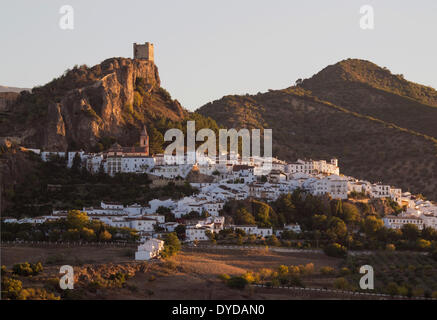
(371, 225)
(283, 270)
(320, 222)
(335, 250)
(243, 216)
(156, 141)
(251, 238)
(172, 245)
(105, 236)
(77, 163)
(88, 234)
(351, 214)
(169, 216)
(240, 232)
(180, 231)
(423, 244)
(337, 228)
(273, 241)
(263, 217)
(410, 232)
(237, 283)
(338, 211)
(285, 207)
(392, 289)
(77, 219)
(71, 235)
(205, 214)
(429, 233)
(192, 215)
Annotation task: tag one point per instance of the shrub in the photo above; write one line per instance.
(327, 270)
(11, 288)
(172, 245)
(294, 270)
(295, 280)
(423, 244)
(37, 294)
(390, 247)
(344, 271)
(250, 277)
(307, 269)
(335, 250)
(164, 94)
(418, 292)
(273, 241)
(27, 269)
(283, 270)
(265, 273)
(392, 289)
(237, 283)
(275, 283)
(138, 99)
(105, 236)
(89, 112)
(341, 284)
(224, 277)
(403, 291)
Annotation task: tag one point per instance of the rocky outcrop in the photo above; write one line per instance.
(7, 99)
(86, 104)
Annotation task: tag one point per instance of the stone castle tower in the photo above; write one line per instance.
(144, 51)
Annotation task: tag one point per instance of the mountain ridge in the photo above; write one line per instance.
(364, 71)
(321, 119)
(12, 89)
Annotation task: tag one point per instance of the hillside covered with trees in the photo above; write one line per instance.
(380, 126)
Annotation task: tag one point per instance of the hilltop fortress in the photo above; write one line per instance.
(144, 51)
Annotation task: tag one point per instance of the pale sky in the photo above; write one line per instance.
(207, 49)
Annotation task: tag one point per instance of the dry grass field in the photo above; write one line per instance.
(192, 274)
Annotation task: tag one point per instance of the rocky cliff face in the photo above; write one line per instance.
(7, 99)
(114, 99)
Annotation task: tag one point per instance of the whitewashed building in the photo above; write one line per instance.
(397, 222)
(149, 249)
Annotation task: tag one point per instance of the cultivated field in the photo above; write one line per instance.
(192, 274)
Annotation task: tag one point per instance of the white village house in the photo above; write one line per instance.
(149, 249)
